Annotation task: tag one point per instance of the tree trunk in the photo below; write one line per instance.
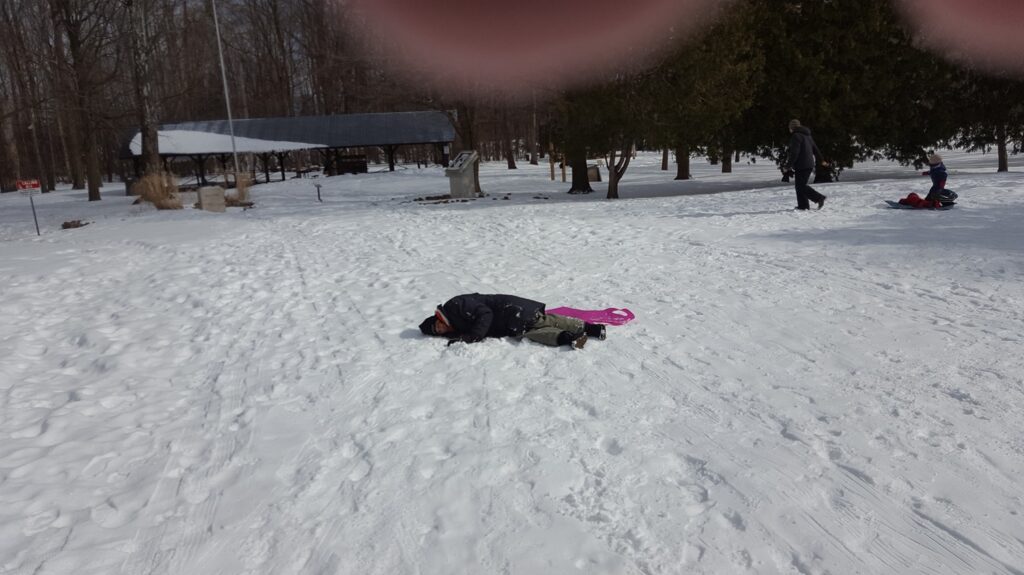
(510, 156)
(682, 163)
(281, 44)
(88, 132)
(36, 129)
(71, 128)
(93, 174)
(50, 169)
(476, 178)
(464, 126)
(727, 161)
(9, 104)
(551, 159)
(613, 176)
(1004, 161)
(617, 169)
(109, 155)
(10, 147)
(664, 160)
(534, 135)
(508, 144)
(37, 150)
(143, 80)
(67, 129)
(580, 181)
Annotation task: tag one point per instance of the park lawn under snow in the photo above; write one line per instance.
(835, 391)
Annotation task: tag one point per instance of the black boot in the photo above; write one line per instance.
(595, 330)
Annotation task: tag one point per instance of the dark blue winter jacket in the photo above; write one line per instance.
(938, 175)
(802, 150)
(476, 316)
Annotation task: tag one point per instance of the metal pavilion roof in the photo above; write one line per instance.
(335, 131)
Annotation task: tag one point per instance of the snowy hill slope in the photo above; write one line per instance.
(835, 391)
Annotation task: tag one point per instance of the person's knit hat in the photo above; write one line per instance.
(427, 327)
(794, 124)
(441, 317)
(934, 159)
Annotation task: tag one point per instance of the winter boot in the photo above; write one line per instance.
(595, 330)
(574, 340)
(579, 342)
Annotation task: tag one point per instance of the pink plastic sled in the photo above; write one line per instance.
(610, 316)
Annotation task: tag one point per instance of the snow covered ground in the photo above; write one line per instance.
(835, 391)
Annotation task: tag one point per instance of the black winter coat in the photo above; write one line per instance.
(802, 150)
(476, 316)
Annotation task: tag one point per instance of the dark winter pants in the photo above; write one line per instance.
(804, 193)
(933, 193)
(548, 326)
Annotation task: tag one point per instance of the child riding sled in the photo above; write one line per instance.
(938, 196)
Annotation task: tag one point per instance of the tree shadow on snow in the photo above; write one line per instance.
(964, 227)
(729, 214)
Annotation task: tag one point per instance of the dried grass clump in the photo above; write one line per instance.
(159, 189)
(239, 199)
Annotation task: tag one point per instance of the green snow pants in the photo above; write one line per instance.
(548, 326)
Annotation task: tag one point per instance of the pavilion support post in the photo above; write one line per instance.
(224, 166)
(200, 162)
(445, 149)
(389, 151)
(265, 158)
(327, 156)
(281, 156)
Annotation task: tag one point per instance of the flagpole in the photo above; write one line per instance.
(227, 94)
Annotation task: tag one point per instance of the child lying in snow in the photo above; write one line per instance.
(472, 317)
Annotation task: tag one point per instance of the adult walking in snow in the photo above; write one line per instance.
(803, 156)
(472, 317)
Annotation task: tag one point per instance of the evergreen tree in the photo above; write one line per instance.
(601, 121)
(991, 113)
(703, 86)
(848, 70)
